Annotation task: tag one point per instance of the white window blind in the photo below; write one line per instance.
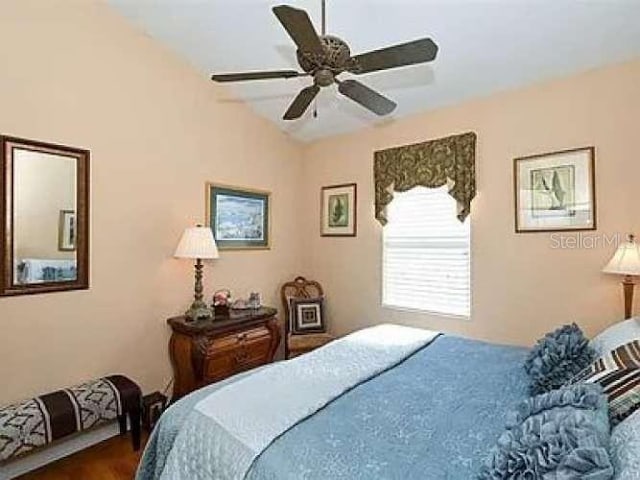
(426, 257)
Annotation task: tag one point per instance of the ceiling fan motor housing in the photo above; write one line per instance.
(335, 58)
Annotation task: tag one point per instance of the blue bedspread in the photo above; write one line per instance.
(434, 416)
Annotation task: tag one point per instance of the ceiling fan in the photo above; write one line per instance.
(324, 57)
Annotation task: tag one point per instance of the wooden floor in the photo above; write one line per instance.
(113, 459)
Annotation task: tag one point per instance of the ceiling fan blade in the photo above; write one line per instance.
(369, 99)
(241, 77)
(411, 53)
(297, 23)
(301, 102)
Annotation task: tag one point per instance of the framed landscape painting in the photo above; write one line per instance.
(339, 207)
(555, 191)
(238, 217)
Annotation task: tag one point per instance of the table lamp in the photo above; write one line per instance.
(626, 261)
(197, 243)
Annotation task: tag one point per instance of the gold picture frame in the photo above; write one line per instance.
(555, 192)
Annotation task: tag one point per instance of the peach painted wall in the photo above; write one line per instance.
(76, 73)
(522, 286)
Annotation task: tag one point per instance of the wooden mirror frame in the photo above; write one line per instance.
(8, 287)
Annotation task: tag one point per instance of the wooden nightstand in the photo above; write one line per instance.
(207, 351)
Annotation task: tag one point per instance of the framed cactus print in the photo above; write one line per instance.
(339, 210)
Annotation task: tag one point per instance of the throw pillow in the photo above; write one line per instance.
(307, 315)
(561, 434)
(618, 372)
(557, 358)
(616, 335)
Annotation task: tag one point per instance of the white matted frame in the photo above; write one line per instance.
(555, 192)
(67, 231)
(339, 210)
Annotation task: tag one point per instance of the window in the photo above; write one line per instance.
(426, 259)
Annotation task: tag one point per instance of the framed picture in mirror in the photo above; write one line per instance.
(45, 210)
(67, 231)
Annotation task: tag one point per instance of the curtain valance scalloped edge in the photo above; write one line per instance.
(449, 160)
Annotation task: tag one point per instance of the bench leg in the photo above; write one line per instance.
(134, 418)
(122, 422)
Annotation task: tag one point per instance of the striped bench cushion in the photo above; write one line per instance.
(618, 372)
(41, 420)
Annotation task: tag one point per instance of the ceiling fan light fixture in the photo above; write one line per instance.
(323, 77)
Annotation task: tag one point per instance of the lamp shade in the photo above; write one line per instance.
(197, 242)
(626, 260)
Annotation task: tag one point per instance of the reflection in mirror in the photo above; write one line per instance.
(44, 219)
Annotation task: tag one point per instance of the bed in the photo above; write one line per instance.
(431, 409)
(38, 270)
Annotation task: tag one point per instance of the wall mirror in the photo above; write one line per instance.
(45, 210)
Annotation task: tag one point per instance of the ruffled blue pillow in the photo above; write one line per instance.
(558, 435)
(557, 358)
(582, 396)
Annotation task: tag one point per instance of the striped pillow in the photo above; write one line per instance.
(618, 372)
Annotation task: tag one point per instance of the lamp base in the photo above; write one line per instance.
(628, 287)
(198, 311)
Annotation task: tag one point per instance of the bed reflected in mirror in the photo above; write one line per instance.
(45, 205)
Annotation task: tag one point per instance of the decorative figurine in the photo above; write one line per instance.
(254, 300)
(221, 302)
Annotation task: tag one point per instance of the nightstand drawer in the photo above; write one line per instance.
(238, 339)
(237, 355)
(223, 366)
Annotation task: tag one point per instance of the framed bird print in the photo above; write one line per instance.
(555, 191)
(339, 210)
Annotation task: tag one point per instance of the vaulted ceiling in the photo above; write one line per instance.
(485, 46)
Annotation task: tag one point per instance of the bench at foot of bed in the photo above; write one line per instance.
(41, 420)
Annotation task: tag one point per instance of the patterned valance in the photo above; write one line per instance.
(450, 160)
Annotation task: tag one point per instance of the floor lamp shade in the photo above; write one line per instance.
(626, 261)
